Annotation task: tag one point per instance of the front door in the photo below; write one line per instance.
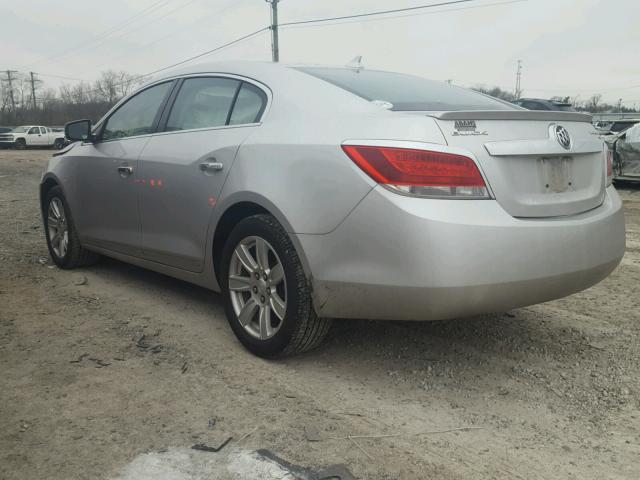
(35, 138)
(108, 184)
(184, 168)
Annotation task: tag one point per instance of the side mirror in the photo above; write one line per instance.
(78, 130)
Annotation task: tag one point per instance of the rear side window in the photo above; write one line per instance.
(137, 115)
(249, 105)
(406, 92)
(203, 103)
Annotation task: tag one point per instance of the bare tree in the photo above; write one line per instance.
(593, 102)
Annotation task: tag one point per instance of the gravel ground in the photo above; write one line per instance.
(550, 391)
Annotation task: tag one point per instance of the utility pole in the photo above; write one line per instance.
(620, 105)
(275, 51)
(518, 78)
(10, 81)
(33, 91)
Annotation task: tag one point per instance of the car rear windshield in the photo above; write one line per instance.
(621, 126)
(406, 92)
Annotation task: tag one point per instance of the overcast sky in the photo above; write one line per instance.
(568, 47)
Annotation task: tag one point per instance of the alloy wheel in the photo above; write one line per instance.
(58, 228)
(257, 287)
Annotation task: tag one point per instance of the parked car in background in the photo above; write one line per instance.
(308, 193)
(619, 126)
(4, 130)
(32, 136)
(625, 148)
(541, 104)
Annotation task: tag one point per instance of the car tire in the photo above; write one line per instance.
(62, 237)
(21, 144)
(58, 144)
(254, 306)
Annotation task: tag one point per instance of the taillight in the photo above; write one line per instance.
(420, 172)
(609, 166)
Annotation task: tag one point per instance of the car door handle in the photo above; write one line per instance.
(125, 171)
(211, 166)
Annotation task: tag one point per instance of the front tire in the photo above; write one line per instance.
(21, 144)
(62, 237)
(267, 297)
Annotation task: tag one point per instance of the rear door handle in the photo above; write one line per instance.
(209, 167)
(125, 171)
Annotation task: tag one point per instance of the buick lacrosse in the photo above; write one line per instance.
(304, 194)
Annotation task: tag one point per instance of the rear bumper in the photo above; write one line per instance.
(404, 258)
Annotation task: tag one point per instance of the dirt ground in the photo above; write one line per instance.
(545, 392)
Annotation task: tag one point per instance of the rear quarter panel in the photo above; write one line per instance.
(298, 164)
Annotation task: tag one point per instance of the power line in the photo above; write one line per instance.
(154, 20)
(60, 76)
(414, 14)
(380, 12)
(233, 4)
(208, 52)
(98, 39)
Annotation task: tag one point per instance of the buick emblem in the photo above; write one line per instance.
(562, 136)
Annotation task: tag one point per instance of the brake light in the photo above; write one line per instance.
(420, 172)
(609, 167)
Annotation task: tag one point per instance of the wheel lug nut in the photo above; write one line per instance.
(257, 275)
(264, 277)
(262, 299)
(255, 289)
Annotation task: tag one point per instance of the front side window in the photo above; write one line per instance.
(137, 115)
(33, 131)
(249, 105)
(203, 103)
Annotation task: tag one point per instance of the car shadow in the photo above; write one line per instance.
(467, 347)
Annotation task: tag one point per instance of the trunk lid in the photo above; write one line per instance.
(521, 153)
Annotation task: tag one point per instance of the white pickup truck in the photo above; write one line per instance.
(32, 136)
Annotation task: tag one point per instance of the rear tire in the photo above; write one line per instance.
(62, 237)
(298, 329)
(21, 144)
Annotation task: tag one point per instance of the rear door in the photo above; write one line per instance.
(628, 151)
(184, 168)
(108, 183)
(538, 164)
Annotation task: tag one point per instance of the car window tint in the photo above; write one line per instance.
(33, 130)
(249, 105)
(406, 92)
(136, 116)
(202, 103)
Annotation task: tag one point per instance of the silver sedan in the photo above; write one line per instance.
(305, 194)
